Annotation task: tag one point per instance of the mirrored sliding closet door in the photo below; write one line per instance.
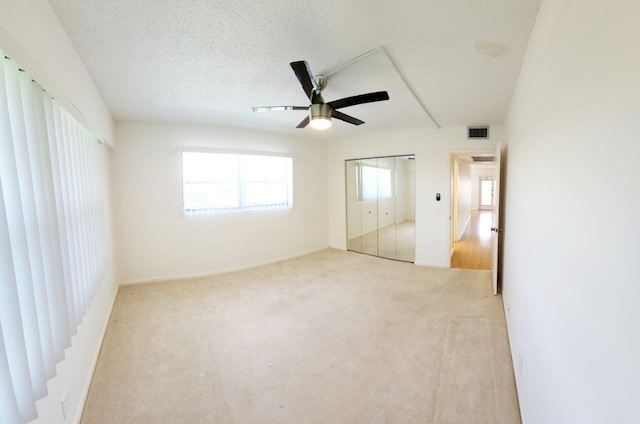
(380, 206)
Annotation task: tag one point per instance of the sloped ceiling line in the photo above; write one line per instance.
(207, 62)
(395, 66)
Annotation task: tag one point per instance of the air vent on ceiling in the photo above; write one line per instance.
(482, 158)
(477, 132)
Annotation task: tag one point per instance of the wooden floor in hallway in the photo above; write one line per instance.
(473, 251)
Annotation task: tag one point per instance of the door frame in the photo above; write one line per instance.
(454, 155)
(412, 155)
(455, 200)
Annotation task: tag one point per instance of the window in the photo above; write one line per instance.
(486, 192)
(53, 249)
(226, 182)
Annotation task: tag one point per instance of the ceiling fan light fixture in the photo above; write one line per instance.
(320, 123)
(320, 116)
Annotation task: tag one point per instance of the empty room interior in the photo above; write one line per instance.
(302, 212)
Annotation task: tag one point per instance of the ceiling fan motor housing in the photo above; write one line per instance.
(320, 111)
(321, 82)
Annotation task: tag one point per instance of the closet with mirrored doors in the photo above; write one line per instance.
(381, 206)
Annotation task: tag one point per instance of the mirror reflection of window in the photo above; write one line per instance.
(369, 181)
(384, 183)
(374, 183)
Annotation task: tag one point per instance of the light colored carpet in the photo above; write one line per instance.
(332, 337)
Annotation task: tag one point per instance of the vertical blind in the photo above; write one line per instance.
(53, 252)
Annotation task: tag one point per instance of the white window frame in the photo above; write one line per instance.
(242, 207)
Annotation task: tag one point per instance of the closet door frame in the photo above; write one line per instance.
(359, 199)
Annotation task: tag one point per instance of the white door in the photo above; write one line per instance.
(496, 221)
(456, 204)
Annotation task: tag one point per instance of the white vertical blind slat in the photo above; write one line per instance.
(52, 237)
(53, 265)
(74, 216)
(22, 229)
(93, 212)
(10, 313)
(83, 218)
(54, 135)
(54, 130)
(99, 215)
(84, 145)
(8, 401)
(15, 349)
(40, 234)
(68, 214)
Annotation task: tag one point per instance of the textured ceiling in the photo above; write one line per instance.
(210, 61)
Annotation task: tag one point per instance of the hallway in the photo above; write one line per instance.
(473, 251)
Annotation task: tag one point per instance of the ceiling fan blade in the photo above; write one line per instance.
(277, 108)
(303, 123)
(305, 77)
(362, 98)
(346, 118)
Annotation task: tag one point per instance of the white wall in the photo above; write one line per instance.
(32, 35)
(158, 242)
(433, 149)
(464, 197)
(478, 171)
(571, 267)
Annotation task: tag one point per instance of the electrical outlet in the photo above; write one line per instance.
(66, 404)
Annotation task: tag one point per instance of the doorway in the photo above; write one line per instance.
(473, 203)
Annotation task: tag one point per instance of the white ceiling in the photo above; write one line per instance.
(468, 158)
(210, 61)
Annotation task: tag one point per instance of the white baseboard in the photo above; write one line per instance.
(221, 271)
(464, 227)
(431, 264)
(94, 362)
